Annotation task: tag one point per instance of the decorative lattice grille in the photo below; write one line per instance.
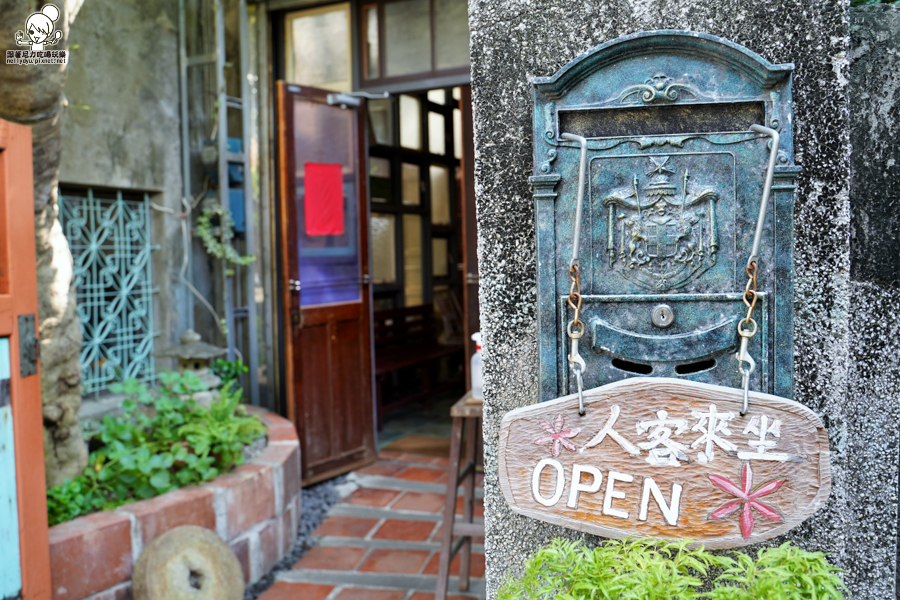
(109, 237)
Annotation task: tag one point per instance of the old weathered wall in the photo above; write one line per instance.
(873, 437)
(513, 40)
(870, 441)
(121, 129)
(875, 135)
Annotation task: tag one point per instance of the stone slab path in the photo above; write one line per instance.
(381, 542)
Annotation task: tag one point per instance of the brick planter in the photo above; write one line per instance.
(255, 508)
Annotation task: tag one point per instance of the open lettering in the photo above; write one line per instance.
(666, 458)
(587, 479)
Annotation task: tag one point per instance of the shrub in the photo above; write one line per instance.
(229, 371)
(647, 569)
(783, 572)
(162, 442)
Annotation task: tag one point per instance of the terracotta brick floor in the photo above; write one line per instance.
(381, 542)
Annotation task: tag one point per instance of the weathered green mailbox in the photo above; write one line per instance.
(677, 133)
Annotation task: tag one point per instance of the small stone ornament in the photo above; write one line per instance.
(194, 355)
(667, 458)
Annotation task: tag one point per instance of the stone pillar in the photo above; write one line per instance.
(514, 40)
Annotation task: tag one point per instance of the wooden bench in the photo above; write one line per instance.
(406, 338)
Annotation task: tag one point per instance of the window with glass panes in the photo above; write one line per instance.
(318, 49)
(414, 152)
(410, 39)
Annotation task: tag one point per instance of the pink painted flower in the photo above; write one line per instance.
(558, 436)
(745, 499)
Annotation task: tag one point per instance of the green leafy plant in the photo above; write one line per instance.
(635, 568)
(163, 441)
(229, 371)
(220, 248)
(783, 572)
(647, 569)
(219, 433)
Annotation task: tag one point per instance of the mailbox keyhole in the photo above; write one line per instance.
(632, 367)
(662, 316)
(695, 367)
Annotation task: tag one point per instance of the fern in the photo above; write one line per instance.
(649, 569)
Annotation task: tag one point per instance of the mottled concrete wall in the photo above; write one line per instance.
(875, 135)
(873, 436)
(870, 440)
(122, 126)
(513, 40)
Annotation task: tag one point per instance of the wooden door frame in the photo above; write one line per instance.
(289, 262)
(17, 232)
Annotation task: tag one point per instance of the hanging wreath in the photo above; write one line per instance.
(220, 248)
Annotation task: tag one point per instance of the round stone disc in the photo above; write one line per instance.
(188, 563)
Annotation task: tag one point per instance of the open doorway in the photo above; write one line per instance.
(416, 180)
(415, 205)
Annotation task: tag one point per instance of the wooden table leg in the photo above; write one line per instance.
(465, 558)
(449, 510)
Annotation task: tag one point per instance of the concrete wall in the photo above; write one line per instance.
(513, 40)
(121, 128)
(875, 135)
(873, 437)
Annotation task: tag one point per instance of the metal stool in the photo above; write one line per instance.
(466, 422)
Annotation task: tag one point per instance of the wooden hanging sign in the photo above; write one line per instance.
(667, 458)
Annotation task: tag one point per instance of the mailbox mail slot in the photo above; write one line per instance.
(672, 191)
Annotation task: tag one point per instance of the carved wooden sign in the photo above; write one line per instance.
(667, 458)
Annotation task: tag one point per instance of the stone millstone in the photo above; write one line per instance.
(188, 563)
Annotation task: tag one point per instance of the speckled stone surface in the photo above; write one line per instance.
(513, 40)
(870, 446)
(873, 436)
(875, 135)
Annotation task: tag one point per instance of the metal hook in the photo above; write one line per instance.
(575, 359)
(746, 364)
(580, 392)
(578, 367)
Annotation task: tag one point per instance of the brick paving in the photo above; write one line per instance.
(382, 541)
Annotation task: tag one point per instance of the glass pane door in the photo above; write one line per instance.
(325, 202)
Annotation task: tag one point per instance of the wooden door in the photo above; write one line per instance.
(469, 229)
(24, 549)
(325, 281)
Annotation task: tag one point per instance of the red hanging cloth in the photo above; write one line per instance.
(324, 202)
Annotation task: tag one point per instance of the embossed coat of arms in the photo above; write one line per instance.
(662, 229)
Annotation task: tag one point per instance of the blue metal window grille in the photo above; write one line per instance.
(109, 237)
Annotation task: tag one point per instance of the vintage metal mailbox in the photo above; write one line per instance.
(675, 165)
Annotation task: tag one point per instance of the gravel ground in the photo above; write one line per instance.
(317, 501)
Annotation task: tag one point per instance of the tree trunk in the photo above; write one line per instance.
(33, 95)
